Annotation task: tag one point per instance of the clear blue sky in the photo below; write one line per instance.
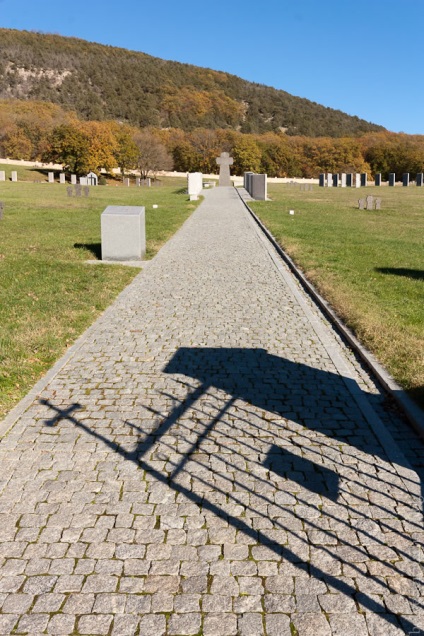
(364, 57)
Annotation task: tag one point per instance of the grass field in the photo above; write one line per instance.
(48, 294)
(368, 264)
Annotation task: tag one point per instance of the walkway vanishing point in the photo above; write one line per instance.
(210, 460)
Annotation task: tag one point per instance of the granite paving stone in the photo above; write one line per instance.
(211, 459)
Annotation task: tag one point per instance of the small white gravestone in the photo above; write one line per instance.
(2, 175)
(343, 179)
(51, 177)
(83, 181)
(329, 180)
(14, 175)
(357, 180)
(62, 178)
(194, 185)
(123, 233)
(73, 179)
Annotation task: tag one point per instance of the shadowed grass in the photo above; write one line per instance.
(368, 264)
(48, 294)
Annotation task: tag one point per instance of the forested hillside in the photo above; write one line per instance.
(106, 83)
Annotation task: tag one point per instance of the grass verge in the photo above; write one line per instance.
(368, 264)
(48, 294)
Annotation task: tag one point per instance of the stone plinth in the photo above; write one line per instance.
(123, 233)
(258, 187)
(194, 184)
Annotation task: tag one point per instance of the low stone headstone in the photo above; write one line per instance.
(83, 181)
(377, 179)
(248, 181)
(70, 191)
(1, 210)
(14, 175)
(86, 191)
(224, 162)
(126, 182)
(378, 204)
(335, 180)
(405, 179)
(392, 179)
(51, 177)
(137, 182)
(370, 202)
(123, 230)
(322, 180)
(364, 179)
(349, 180)
(357, 180)
(2, 175)
(78, 189)
(62, 178)
(419, 179)
(329, 180)
(194, 184)
(343, 180)
(258, 190)
(361, 203)
(73, 179)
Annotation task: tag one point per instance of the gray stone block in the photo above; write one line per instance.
(258, 190)
(123, 233)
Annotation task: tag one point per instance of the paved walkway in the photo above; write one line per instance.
(209, 462)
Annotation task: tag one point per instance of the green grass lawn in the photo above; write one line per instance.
(368, 264)
(48, 294)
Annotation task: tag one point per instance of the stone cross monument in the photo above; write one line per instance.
(224, 162)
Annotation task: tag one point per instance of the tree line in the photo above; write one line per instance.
(47, 132)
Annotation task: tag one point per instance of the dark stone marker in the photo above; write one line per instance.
(224, 162)
(70, 191)
(405, 179)
(392, 179)
(419, 179)
(349, 180)
(322, 180)
(377, 179)
(363, 179)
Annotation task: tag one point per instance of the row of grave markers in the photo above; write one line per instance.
(360, 180)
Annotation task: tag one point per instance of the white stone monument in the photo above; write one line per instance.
(51, 177)
(62, 178)
(83, 181)
(329, 180)
(2, 175)
(343, 180)
(357, 180)
(194, 185)
(14, 175)
(123, 231)
(73, 179)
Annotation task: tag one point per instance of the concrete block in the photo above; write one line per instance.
(123, 233)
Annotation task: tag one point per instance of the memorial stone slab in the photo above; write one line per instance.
(335, 180)
(377, 179)
(361, 203)
(62, 178)
(370, 202)
(51, 177)
(78, 189)
(123, 230)
(246, 180)
(14, 175)
(73, 179)
(258, 189)
(364, 179)
(343, 180)
(2, 175)
(194, 184)
(405, 179)
(378, 204)
(357, 180)
(70, 191)
(329, 180)
(86, 190)
(83, 181)
(322, 180)
(419, 179)
(349, 180)
(127, 182)
(392, 179)
(224, 162)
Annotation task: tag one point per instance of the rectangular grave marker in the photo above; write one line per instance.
(322, 180)
(349, 180)
(392, 179)
(62, 178)
(405, 179)
(51, 177)
(2, 175)
(419, 179)
(364, 179)
(123, 233)
(14, 175)
(377, 179)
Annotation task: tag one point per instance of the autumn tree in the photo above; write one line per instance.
(247, 155)
(152, 154)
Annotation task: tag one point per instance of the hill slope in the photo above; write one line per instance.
(104, 82)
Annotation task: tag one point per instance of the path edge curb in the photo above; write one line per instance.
(412, 411)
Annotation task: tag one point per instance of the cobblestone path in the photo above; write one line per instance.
(209, 461)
